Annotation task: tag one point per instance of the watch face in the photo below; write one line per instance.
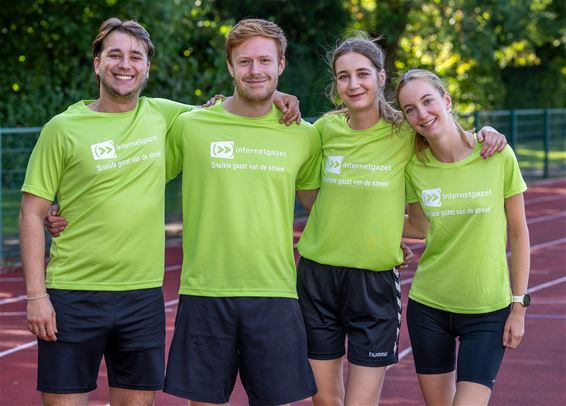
(526, 300)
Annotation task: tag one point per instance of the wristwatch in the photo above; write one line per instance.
(525, 299)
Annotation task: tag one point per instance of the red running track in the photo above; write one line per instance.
(533, 374)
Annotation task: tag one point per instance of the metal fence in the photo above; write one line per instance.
(537, 136)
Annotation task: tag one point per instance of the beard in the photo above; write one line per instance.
(116, 92)
(256, 95)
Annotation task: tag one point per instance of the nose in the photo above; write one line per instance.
(254, 67)
(421, 112)
(353, 83)
(124, 62)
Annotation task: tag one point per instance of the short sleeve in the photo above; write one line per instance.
(309, 174)
(410, 192)
(46, 163)
(174, 147)
(513, 180)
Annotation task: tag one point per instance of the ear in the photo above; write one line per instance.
(230, 68)
(448, 101)
(96, 65)
(281, 66)
(382, 76)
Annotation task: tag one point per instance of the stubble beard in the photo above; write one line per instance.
(256, 97)
(113, 92)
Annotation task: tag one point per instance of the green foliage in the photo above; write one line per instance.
(493, 53)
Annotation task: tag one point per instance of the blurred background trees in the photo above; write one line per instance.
(494, 54)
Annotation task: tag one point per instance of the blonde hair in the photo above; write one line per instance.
(361, 44)
(421, 143)
(253, 27)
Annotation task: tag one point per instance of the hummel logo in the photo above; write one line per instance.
(334, 164)
(431, 197)
(222, 149)
(103, 150)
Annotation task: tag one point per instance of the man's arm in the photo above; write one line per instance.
(307, 198)
(40, 312)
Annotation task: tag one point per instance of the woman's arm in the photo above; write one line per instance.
(416, 223)
(520, 266)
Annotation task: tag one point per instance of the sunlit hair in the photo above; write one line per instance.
(130, 27)
(421, 143)
(254, 27)
(361, 44)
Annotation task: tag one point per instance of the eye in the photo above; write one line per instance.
(409, 110)
(114, 56)
(265, 61)
(243, 62)
(342, 76)
(136, 58)
(428, 100)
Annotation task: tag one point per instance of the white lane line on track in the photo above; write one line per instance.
(548, 244)
(13, 299)
(543, 199)
(32, 343)
(18, 348)
(548, 217)
(547, 285)
(546, 316)
(402, 354)
(170, 268)
(12, 279)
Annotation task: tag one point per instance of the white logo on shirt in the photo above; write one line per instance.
(103, 150)
(431, 197)
(222, 149)
(334, 164)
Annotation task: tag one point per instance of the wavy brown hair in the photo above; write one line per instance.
(361, 44)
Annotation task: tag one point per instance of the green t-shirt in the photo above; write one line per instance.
(357, 219)
(239, 180)
(464, 266)
(107, 171)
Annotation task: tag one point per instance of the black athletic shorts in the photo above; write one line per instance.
(261, 337)
(433, 334)
(362, 305)
(127, 328)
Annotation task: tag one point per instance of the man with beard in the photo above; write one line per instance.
(238, 308)
(101, 294)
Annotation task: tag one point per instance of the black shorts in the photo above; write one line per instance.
(363, 305)
(127, 328)
(433, 335)
(263, 338)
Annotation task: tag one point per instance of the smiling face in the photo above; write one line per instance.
(122, 67)
(358, 82)
(426, 109)
(255, 66)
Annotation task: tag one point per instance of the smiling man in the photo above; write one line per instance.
(238, 309)
(101, 294)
